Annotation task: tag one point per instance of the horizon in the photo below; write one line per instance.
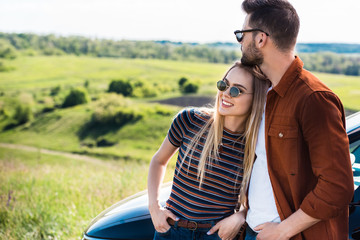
(162, 40)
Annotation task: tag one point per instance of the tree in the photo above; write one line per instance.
(190, 88)
(75, 97)
(182, 81)
(121, 87)
(7, 50)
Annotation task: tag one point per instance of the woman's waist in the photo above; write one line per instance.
(199, 214)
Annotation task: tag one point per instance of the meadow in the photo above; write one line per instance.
(44, 196)
(53, 197)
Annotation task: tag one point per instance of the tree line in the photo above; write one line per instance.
(32, 44)
(317, 57)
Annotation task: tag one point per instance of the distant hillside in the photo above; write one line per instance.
(338, 58)
(328, 47)
(340, 48)
(32, 44)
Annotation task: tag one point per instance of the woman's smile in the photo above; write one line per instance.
(226, 104)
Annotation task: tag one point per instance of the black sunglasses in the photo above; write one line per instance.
(240, 33)
(234, 91)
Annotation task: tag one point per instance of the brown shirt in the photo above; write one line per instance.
(308, 153)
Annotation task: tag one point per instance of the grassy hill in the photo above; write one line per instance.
(70, 129)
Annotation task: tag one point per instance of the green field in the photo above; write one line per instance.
(54, 197)
(38, 74)
(65, 129)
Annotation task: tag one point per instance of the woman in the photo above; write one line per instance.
(214, 161)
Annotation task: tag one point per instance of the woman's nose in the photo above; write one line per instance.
(227, 92)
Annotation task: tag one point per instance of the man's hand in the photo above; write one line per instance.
(229, 227)
(159, 216)
(269, 231)
(294, 224)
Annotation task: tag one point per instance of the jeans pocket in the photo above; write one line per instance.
(163, 235)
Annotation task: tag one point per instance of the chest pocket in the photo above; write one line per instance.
(283, 132)
(283, 147)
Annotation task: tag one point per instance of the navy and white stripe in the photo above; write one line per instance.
(218, 195)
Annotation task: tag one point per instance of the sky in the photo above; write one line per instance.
(203, 21)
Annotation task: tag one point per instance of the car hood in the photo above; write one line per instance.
(124, 215)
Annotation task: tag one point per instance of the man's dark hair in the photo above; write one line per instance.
(276, 17)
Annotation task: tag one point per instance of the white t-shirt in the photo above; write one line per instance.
(262, 207)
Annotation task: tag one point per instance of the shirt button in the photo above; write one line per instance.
(281, 135)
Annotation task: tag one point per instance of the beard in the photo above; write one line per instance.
(253, 56)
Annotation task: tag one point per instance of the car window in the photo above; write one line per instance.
(355, 157)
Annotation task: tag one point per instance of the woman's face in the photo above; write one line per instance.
(240, 106)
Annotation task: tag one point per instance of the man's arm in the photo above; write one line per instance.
(323, 128)
(294, 224)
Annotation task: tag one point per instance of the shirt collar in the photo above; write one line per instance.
(289, 76)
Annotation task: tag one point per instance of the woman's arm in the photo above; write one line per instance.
(157, 170)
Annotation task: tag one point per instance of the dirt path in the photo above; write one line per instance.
(53, 152)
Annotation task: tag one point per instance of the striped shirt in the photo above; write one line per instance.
(218, 195)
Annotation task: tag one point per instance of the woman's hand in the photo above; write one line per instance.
(159, 215)
(229, 227)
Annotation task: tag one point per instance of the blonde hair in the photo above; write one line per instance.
(213, 131)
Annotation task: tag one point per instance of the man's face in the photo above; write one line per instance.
(251, 55)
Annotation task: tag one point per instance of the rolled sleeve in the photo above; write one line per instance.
(323, 127)
(176, 131)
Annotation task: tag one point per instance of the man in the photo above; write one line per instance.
(301, 182)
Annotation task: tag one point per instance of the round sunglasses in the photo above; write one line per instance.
(234, 91)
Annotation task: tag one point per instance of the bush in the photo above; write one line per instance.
(55, 91)
(49, 104)
(23, 109)
(76, 96)
(23, 114)
(3, 111)
(103, 142)
(163, 111)
(86, 84)
(52, 52)
(106, 108)
(190, 88)
(121, 87)
(115, 109)
(182, 81)
(143, 89)
(7, 50)
(352, 70)
(116, 116)
(126, 115)
(4, 68)
(30, 52)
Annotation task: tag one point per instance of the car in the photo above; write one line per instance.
(130, 218)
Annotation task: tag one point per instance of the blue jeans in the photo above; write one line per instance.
(250, 234)
(179, 233)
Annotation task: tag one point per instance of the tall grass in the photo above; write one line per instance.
(53, 197)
